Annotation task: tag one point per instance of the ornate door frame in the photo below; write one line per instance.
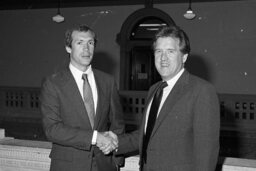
(126, 44)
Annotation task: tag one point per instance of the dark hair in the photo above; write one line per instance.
(80, 28)
(174, 32)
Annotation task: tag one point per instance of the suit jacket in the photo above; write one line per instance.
(67, 125)
(186, 133)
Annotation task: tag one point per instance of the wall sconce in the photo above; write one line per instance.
(189, 13)
(58, 18)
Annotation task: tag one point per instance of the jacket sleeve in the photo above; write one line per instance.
(117, 123)
(128, 143)
(206, 126)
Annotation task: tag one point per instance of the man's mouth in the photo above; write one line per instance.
(164, 64)
(85, 55)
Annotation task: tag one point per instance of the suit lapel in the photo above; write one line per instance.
(74, 95)
(142, 130)
(101, 98)
(175, 94)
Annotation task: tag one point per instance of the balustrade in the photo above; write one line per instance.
(21, 118)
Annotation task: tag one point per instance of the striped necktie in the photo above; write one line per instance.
(88, 99)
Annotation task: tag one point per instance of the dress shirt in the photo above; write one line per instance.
(166, 92)
(77, 74)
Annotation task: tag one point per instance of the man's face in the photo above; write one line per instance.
(169, 60)
(81, 50)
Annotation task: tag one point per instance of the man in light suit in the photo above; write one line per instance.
(75, 134)
(185, 135)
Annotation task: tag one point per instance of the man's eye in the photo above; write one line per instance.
(170, 51)
(91, 43)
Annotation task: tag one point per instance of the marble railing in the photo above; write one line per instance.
(24, 155)
(27, 155)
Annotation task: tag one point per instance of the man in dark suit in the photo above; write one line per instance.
(185, 134)
(78, 108)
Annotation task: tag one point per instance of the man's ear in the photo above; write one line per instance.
(185, 56)
(68, 49)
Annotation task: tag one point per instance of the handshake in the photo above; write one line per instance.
(107, 142)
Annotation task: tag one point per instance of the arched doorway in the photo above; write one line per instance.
(137, 71)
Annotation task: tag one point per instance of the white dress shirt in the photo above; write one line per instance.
(166, 92)
(77, 74)
(79, 81)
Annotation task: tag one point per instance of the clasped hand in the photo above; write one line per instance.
(107, 142)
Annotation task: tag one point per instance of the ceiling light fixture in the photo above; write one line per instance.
(189, 13)
(58, 18)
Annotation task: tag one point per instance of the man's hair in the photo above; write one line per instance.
(80, 28)
(177, 33)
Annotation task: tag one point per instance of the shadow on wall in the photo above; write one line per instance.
(104, 62)
(196, 65)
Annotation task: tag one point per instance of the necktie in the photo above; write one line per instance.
(152, 118)
(88, 99)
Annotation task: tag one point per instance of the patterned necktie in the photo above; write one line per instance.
(88, 99)
(152, 118)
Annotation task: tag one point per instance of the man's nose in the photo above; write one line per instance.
(164, 55)
(85, 46)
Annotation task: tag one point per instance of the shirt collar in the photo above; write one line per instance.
(175, 78)
(78, 72)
